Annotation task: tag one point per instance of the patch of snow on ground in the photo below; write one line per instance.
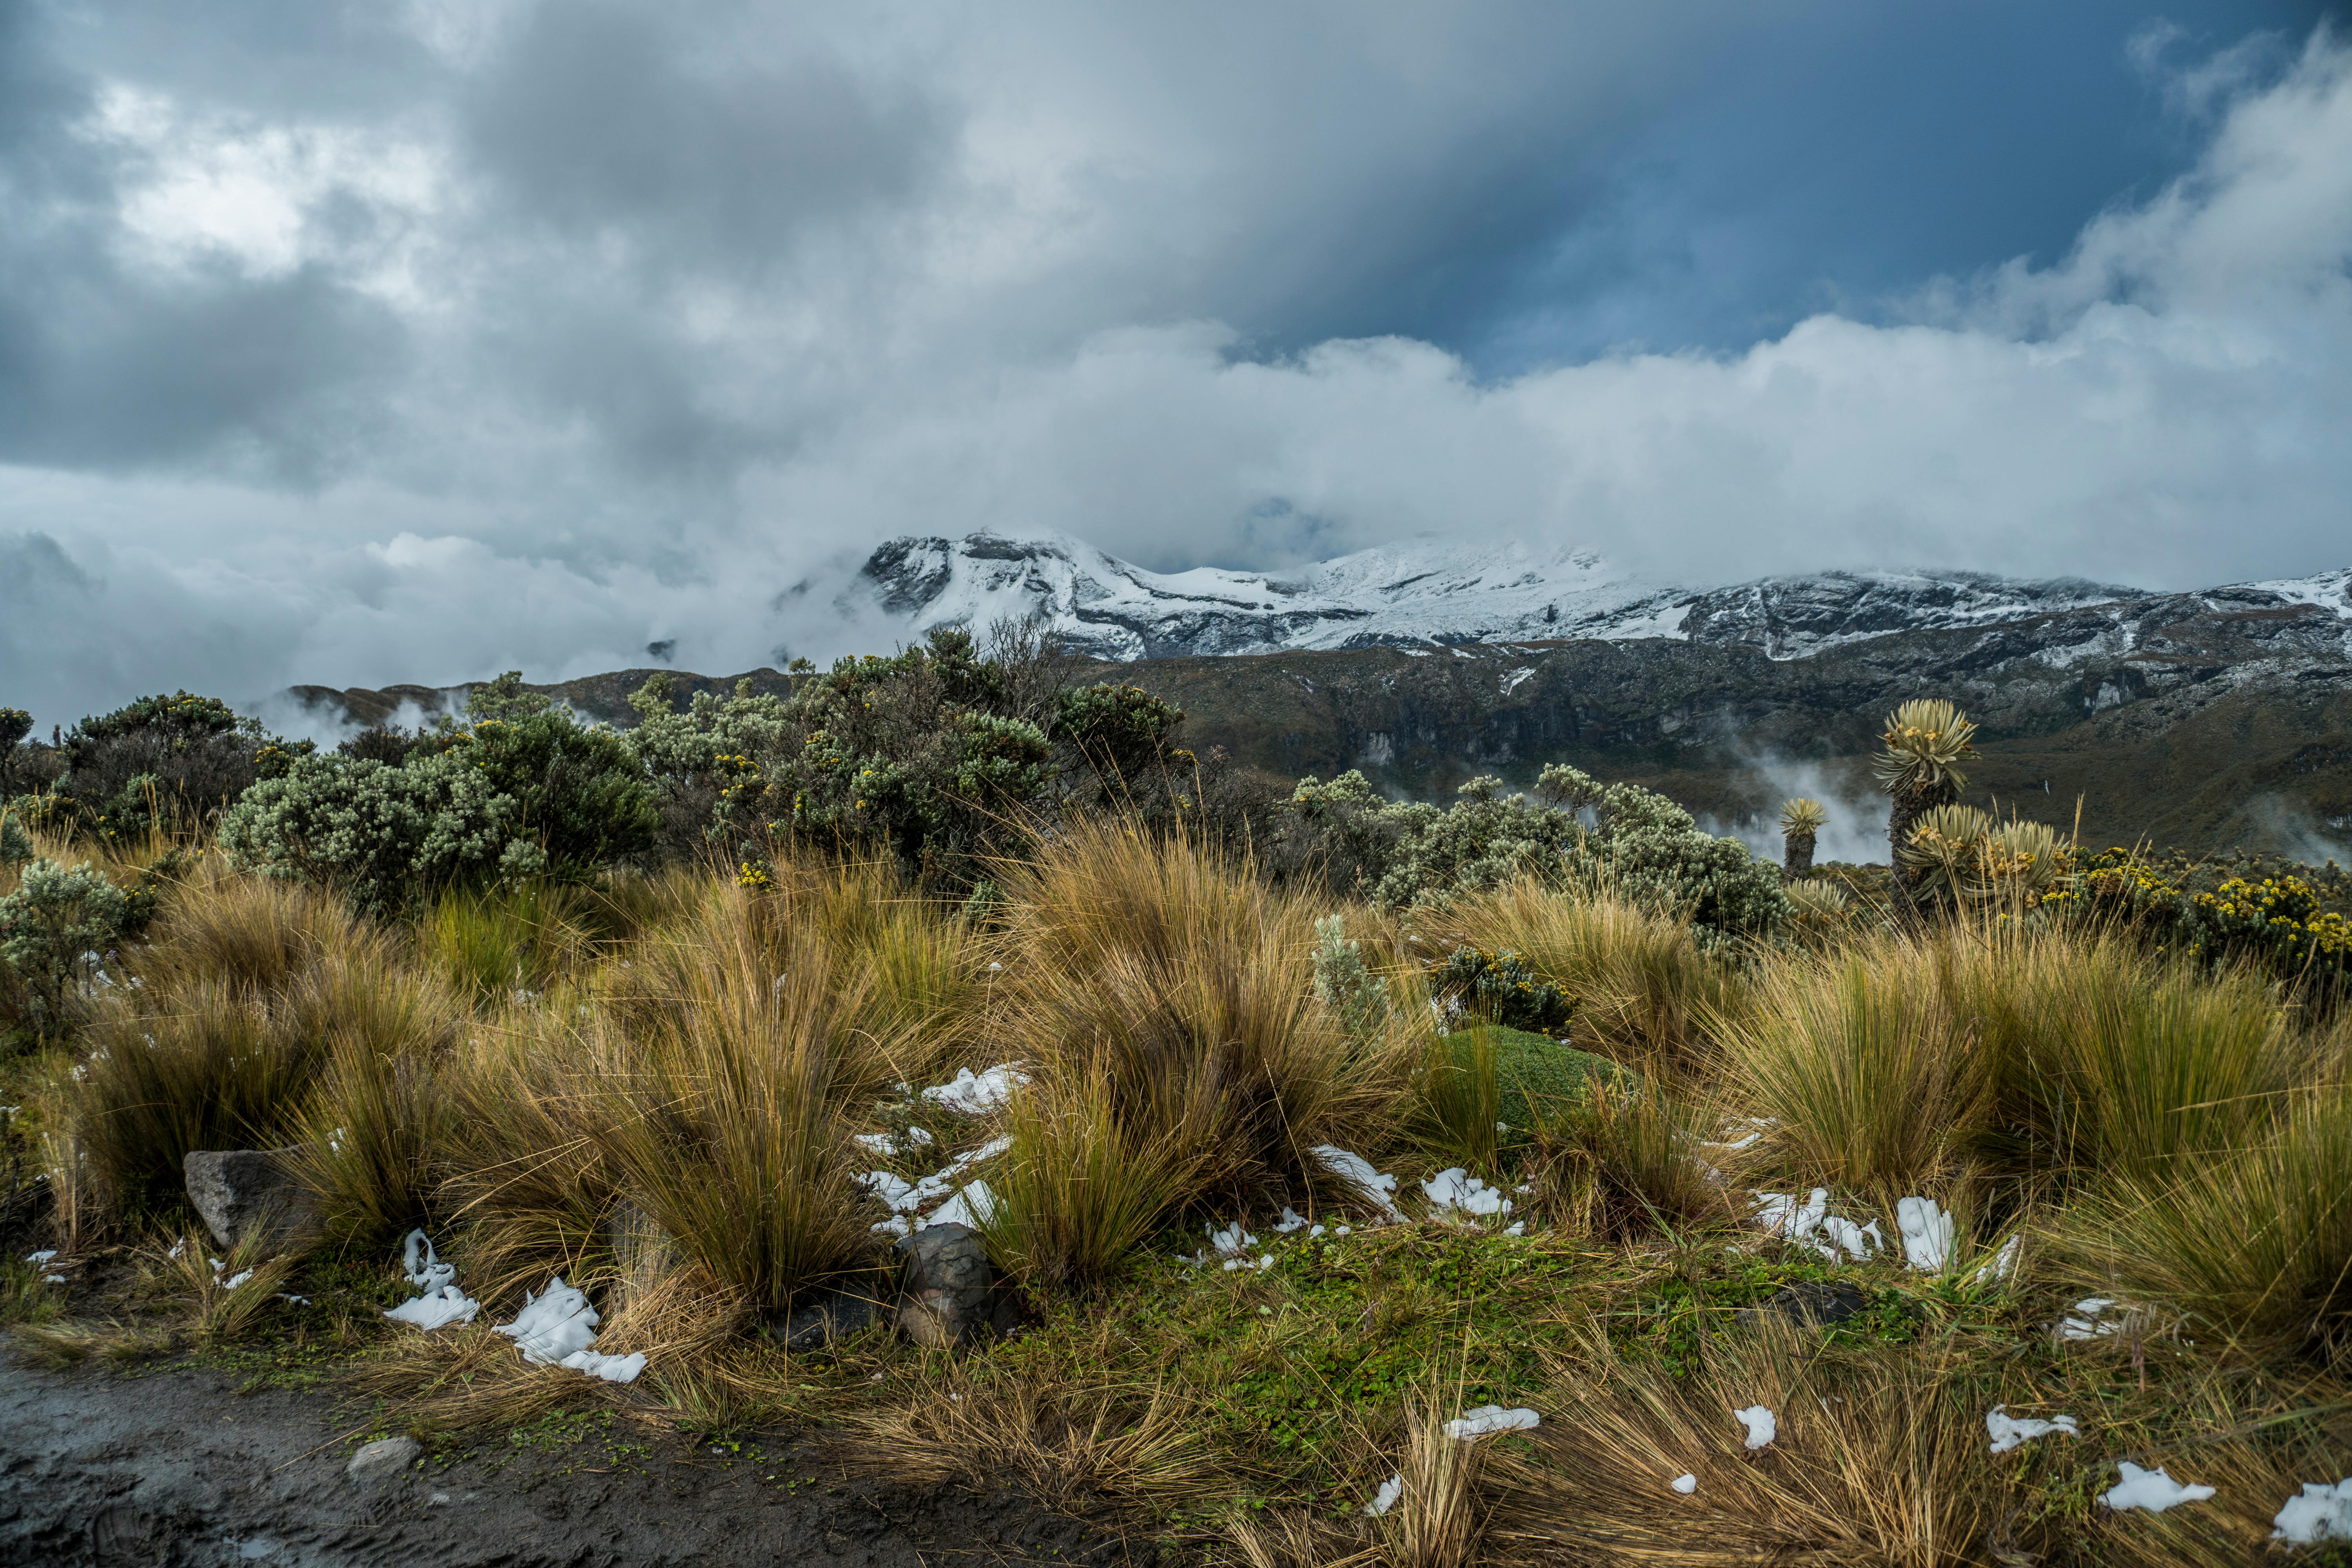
(1685, 1484)
(1386, 1498)
(973, 1205)
(1926, 1234)
(1291, 1220)
(1811, 1224)
(554, 1324)
(42, 1257)
(2151, 1489)
(1377, 1187)
(2009, 1431)
(2320, 1512)
(1455, 1189)
(2083, 1323)
(1488, 1419)
(1762, 1427)
(977, 1093)
(611, 1368)
(1997, 1268)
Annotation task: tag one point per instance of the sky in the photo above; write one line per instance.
(415, 339)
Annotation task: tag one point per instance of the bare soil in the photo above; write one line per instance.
(174, 1466)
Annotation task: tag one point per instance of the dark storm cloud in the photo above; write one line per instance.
(602, 120)
(103, 366)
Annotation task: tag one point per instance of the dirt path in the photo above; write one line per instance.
(175, 1467)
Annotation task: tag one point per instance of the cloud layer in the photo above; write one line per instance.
(370, 344)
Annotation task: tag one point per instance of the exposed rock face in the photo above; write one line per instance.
(949, 1293)
(241, 1192)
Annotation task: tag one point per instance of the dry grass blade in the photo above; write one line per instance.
(1879, 1458)
(461, 1379)
(222, 1298)
(1439, 1519)
(1068, 1445)
(64, 1344)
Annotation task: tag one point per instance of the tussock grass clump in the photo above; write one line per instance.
(713, 1094)
(1180, 983)
(212, 1071)
(1875, 1084)
(1643, 990)
(491, 943)
(2254, 1244)
(1628, 1168)
(245, 934)
(220, 1297)
(728, 1129)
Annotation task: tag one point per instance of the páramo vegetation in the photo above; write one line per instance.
(1325, 1179)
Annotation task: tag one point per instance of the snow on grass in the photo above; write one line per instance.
(1291, 1220)
(1685, 1484)
(939, 1198)
(888, 1147)
(442, 1302)
(2151, 1489)
(2320, 1512)
(975, 1094)
(1996, 1269)
(1386, 1498)
(1811, 1224)
(1488, 1419)
(2083, 1320)
(611, 1368)
(1454, 1191)
(1375, 1187)
(554, 1324)
(2009, 1431)
(42, 1257)
(1762, 1427)
(973, 1205)
(1926, 1234)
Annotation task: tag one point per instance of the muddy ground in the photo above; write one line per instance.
(174, 1467)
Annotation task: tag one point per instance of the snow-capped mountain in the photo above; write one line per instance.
(1428, 591)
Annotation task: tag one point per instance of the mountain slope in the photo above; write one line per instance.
(1408, 594)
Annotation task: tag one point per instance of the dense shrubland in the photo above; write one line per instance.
(657, 1011)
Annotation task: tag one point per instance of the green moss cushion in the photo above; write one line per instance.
(1535, 1074)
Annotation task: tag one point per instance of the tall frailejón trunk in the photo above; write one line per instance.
(1908, 806)
(1796, 857)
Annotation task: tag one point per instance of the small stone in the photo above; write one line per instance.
(385, 1459)
(246, 1192)
(949, 1294)
(1819, 1302)
(833, 1316)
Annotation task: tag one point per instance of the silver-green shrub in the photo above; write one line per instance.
(54, 928)
(1571, 825)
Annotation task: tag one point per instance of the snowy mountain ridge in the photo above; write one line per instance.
(1431, 591)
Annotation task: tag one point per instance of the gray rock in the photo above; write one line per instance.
(949, 1293)
(243, 1192)
(1820, 1302)
(385, 1459)
(836, 1315)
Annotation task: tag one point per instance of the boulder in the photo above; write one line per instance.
(386, 1459)
(949, 1293)
(241, 1192)
(836, 1315)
